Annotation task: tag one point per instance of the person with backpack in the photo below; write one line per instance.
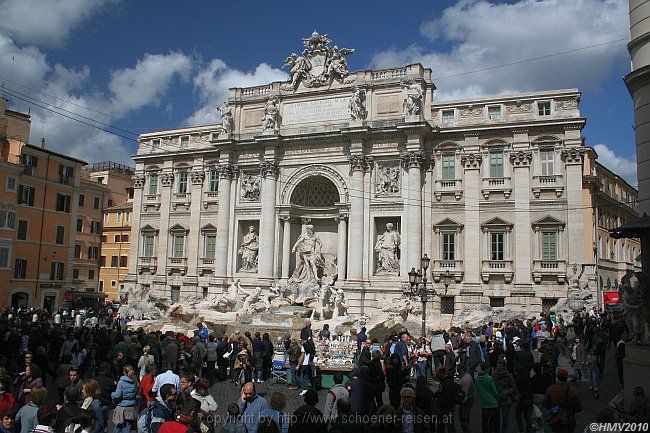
(145, 361)
(487, 391)
(562, 402)
(68, 411)
(506, 388)
(162, 409)
(466, 382)
(184, 420)
(125, 398)
(337, 391)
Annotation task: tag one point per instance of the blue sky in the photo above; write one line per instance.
(148, 65)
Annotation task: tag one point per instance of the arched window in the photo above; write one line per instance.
(315, 191)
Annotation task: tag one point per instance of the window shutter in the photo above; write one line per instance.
(31, 196)
(20, 194)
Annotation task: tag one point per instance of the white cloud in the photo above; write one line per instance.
(148, 81)
(481, 34)
(624, 167)
(213, 81)
(45, 23)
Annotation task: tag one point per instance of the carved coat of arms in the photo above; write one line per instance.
(319, 63)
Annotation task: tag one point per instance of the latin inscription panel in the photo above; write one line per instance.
(320, 110)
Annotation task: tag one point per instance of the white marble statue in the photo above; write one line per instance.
(271, 114)
(277, 293)
(309, 258)
(250, 187)
(340, 304)
(248, 251)
(226, 117)
(250, 300)
(324, 303)
(387, 179)
(387, 247)
(228, 302)
(413, 97)
(300, 67)
(357, 105)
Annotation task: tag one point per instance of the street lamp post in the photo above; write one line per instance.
(419, 290)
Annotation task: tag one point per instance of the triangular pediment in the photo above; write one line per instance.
(149, 228)
(178, 228)
(548, 221)
(497, 222)
(448, 222)
(208, 228)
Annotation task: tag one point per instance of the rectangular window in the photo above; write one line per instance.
(80, 225)
(114, 261)
(153, 183)
(127, 215)
(96, 203)
(113, 283)
(176, 294)
(75, 274)
(185, 140)
(549, 245)
(155, 143)
(125, 238)
(448, 117)
(102, 261)
(82, 200)
(214, 181)
(101, 285)
(93, 252)
(544, 108)
(65, 174)
(106, 218)
(56, 271)
(178, 246)
(448, 167)
(63, 203)
(118, 218)
(4, 254)
(118, 238)
(21, 233)
(547, 304)
(496, 164)
(123, 261)
(26, 195)
(546, 160)
(95, 227)
(449, 246)
(182, 182)
(20, 268)
(109, 202)
(147, 245)
(29, 163)
(447, 305)
(497, 246)
(8, 219)
(494, 112)
(91, 274)
(10, 184)
(77, 251)
(104, 239)
(497, 302)
(60, 235)
(210, 246)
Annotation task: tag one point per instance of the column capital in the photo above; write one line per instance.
(471, 161)
(521, 158)
(573, 155)
(412, 159)
(138, 181)
(341, 217)
(226, 171)
(305, 220)
(167, 179)
(269, 169)
(359, 162)
(197, 177)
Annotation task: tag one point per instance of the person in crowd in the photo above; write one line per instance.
(125, 399)
(267, 355)
(639, 408)
(324, 334)
(90, 393)
(75, 378)
(211, 357)
(423, 354)
(523, 358)
(63, 375)
(306, 333)
(243, 368)
(424, 397)
(277, 403)
(561, 394)
(466, 382)
(579, 357)
(233, 423)
(86, 422)
(146, 360)
(258, 373)
(185, 419)
(7, 421)
(394, 379)
(337, 391)
(106, 384)
(376, 377)
(294, 354)
(163, 407)
(167, 377)
(347, 421)
(267, 425)
(506, 388)
(68, 411)
(362, 393)
(147, 396)
(26, 416)
(489, 396)
(25, 382)
(410, 418)
(385, 421)
(47, 416)
(201, 394)
(306, 362)
(308, 418)
(524, 404)
(187, 386)
(591, 364)
(250, 405)
(472, 353)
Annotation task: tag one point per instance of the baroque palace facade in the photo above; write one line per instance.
(493, 190)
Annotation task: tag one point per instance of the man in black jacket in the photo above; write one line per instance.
(306, 332)
(69, 411)
(409, 417)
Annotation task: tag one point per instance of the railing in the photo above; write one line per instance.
(554, 268)
(388, 73)
(497, 267)
(178, 264)
(447, 264)
(548, 183)
(177, 260)
(449, 186)
(496, 184)
(256, 91)
(152, 197)
(210, 197)
(147, 263)
(207, 261)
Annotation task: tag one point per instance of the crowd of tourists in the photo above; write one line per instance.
(66, 373)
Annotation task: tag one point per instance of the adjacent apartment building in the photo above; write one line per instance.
(115, 249)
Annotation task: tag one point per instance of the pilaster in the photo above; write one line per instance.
(573, 159)
(471, 162)
(136, 218)
(342, 247)
(197, 177)
(521, 161)
(166, 194)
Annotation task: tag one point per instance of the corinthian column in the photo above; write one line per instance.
(269, 171)
(358, 165)
(342, 247)
(412, 161)
(223, 221)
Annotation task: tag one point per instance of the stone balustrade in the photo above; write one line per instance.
(147, 264)
(496, 185)
(176, 265)
(451, 187)
(491, 268)
(549, 268)
(554, 183)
